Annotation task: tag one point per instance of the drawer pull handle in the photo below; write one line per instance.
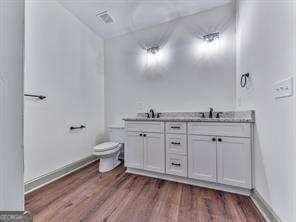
(176, 164)
(77, 127)
(176, 143)
(175, 127)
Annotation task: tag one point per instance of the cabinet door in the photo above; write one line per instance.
(202, 153)
(154, 156)
(234, 161)
(134, 150)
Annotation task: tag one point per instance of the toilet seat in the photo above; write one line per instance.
(106, 146)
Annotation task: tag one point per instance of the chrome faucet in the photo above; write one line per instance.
(211, 113)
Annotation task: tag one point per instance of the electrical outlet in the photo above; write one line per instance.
(283, 88)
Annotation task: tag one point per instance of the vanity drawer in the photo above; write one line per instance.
(176, 143)
(220, 129)
(176, 165)
(175, 127)
(153, 127)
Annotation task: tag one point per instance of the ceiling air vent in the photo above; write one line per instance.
(106, 18)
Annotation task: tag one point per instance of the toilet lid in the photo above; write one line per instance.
(106, 146)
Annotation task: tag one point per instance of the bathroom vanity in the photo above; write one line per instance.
(214, 153)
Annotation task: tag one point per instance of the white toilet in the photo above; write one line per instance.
(108, 152)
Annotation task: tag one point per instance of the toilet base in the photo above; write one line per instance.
(108, 163)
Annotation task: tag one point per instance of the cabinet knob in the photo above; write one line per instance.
(214, 139)
(219, 139)
(144, 135)
(140, 134)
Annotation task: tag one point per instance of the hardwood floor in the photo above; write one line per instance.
(86, 195)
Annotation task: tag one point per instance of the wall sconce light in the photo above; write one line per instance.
(211, 37)
(153, 49)
(154, 61)
(211, 44)
(153, 56)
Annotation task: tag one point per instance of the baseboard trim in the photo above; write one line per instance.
(215, 186)
(265, 209)
(57, 174)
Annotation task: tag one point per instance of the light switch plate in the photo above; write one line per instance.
(284, 88)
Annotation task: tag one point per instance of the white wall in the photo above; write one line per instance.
(188, 82)
(63, 61)
(266, 44)
(11, 105)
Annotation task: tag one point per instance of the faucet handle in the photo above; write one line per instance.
(218, 114)
(202, 114)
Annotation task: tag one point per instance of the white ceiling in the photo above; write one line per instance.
(144, 10)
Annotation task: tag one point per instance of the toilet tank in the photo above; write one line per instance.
(116, 134)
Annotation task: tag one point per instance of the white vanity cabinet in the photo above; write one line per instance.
(212, 154)
(145, 146)
(224, 159)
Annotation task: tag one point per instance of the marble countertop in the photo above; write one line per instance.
(231, 117)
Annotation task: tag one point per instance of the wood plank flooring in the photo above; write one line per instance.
(87, 195)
